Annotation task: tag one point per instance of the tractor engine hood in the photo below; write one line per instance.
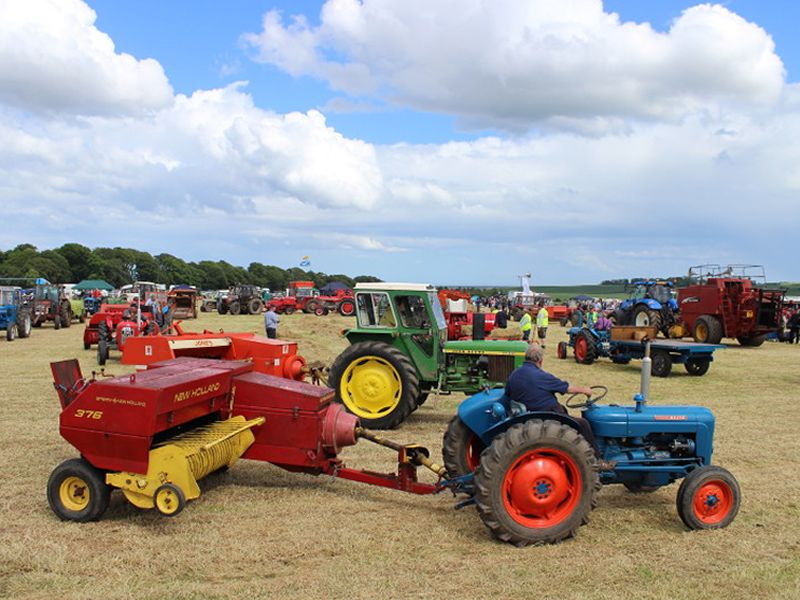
(626, 422)
(486, 347)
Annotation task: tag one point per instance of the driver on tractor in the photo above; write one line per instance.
(534, 388)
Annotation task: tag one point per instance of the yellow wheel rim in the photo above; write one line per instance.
(74, 494)
(167, 501)
(702, 332)
(371, 387)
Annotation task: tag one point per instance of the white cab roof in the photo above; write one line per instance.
(410, 287)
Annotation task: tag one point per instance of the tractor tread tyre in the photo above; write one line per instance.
(403, 367)
(254, 306)
(585, 348)
(347, 308)
(57, 322)
(750, 341)
(79, 472)
(235, 308)
(704, 479)
(311, 307)
(561, 350)
(11, 332)
(662, 363)
(66, 315)
(697, 366)
(222, 309)
(461, 448)
(24, 325)
(707, 330)
(651, 318)
(102, 352)
(505, 452)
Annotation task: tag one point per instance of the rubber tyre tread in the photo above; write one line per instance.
(404, 367)
(685, 498)
(99, 491)
(714, 328)
(235, 308)
(311, 307)
(57, 322)
(347, 312)
(503, 451)
(662, 363)
(652, 316)
(454, 447)
(591, 348)
(66, 315)
(11, 332)
(561, 350)
(254, 306)
(697, 367)
(24, 324)
(751, 342)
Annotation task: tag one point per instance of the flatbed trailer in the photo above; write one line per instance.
(623, 344)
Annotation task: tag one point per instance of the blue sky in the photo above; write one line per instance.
(454, 142)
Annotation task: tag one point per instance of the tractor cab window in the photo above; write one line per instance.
(639, 292)
(374, 310)
(6, 297)
(412, 311)
(438, 313)
(661, 293)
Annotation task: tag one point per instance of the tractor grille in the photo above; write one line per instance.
(500, 367)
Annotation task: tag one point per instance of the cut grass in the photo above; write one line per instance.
(261, 532)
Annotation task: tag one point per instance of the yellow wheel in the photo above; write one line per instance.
(77, 491)
(376, 382)
(701, 331)
(169, 500)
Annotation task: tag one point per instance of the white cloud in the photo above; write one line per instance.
(512, 64)
(52, 58)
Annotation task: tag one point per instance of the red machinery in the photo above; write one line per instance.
(300, 296)
(154, 434)
(270, 356)
(115, 324)
(454, 304)
(720, 305)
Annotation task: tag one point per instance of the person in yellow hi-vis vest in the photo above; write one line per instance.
(542, 321)
(525, 325)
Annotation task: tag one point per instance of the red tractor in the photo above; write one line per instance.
(300, 296)
(454, 305)
(726, 303)
(113, 324)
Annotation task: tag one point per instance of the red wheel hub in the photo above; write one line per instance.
(542, 488)
(474, 448)
(713, 501)
(580, 348)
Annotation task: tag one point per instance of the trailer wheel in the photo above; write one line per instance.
(753, 341)
(697, 366)
(585, 348)
(375, 382)
(561, 350)
(662, 363)
(347, 308)
(254, 306)
(11, 332)
(461, 448)
(24, 324)
(707, 330)
(708, 498)
(536, 483)
(76, 491)
(235, 308)
(169, 500)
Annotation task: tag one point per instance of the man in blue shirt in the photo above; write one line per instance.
(534, 387)
(271, 323)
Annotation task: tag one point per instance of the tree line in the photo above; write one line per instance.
(74, 262)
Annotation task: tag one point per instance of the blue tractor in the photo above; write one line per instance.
(15, 318)
(652, 304)
(534, 477)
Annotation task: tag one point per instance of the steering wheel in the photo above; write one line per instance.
(589, 399)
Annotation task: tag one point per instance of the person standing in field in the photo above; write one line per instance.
(271, 322)
(542, 321)
(525, 325)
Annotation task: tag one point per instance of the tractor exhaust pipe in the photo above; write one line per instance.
(644, 388)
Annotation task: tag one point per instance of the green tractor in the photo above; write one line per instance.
(399, 354)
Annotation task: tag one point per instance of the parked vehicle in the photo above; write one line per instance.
(15, 318)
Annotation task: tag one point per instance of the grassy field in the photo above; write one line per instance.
(260, 532)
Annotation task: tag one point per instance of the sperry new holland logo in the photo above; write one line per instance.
(197, 392)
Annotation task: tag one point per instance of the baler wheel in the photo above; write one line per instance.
(585, 348)
(707, 330)
(662, 363)
(235, 308)
(11, 332)
(347, 308)
(697, 366)
(375, 382)
(76, 491)
(708, 498)
(169, 500)
(461, 448)
(536, 483)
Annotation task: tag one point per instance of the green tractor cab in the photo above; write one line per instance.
(399, 354)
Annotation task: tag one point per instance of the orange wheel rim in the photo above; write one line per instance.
(580, 348)
(713, 502)
(474, 448)
(542, 488)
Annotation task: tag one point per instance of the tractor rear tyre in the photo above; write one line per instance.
(11, 332)
(57, 322)
(347, 308)
(585, 348)
(421, 399)
(707, 330)
(644, 317)
(254, 306)
(708, 498)
(752, 341)
(662, 363)
(561, 350)
(235, 308)
(24, 324)
(376, 382)
(76, 491)
(536, 483)
(697, 366)
(461, 448)
(311, 307)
